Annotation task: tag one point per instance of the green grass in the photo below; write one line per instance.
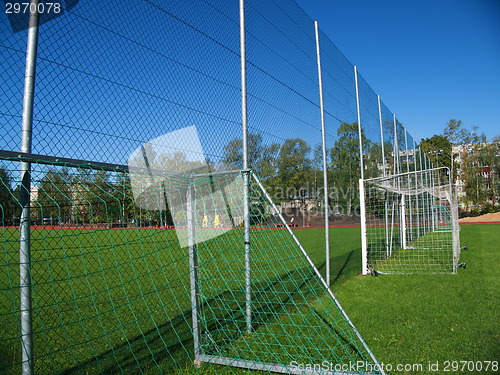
(424, 319)
(106, 308)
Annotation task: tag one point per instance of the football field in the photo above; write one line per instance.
(102, 298)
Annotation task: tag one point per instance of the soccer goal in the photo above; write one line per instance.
(271, 311)
(409, 223)
(258, 301)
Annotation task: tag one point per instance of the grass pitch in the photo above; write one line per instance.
(101, 309)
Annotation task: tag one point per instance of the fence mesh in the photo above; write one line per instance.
(109, 79)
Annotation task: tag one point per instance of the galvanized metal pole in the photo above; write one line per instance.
(384, 173)
(402, 211)
(323, 146)
(416, 186)
(384, 167)
(364, 244)
(193, 270)
(407, 151)
(25, 198)
(246, 172)
(360, 132)
(409, 183)
(422, 179)
(396, 146)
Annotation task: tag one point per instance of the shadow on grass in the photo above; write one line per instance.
(170, 345)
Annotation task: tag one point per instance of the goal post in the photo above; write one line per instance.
(409, 223)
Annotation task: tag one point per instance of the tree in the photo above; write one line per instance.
(438, 149)
(54, 198)
(345, 170)
(261, 157)
(294, 166)
(457, 134)
(7, 202)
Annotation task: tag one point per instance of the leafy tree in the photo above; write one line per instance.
(54, 198)
(345, 169)
(294, 165)
(457, 134)
(438, 149)
(7, 202)
(372, 159)
(261, 157)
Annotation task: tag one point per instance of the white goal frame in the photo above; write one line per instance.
(409, 223)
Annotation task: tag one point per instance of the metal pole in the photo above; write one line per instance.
(434, 200)
(384, 173)
(407, 152)
(193, 270)
(409, 183)
(454, 226)
(403, 221)
(422, 182)
(397, 168)
(25, 198)
(360, 133)
(323, 145)
(364, 245)
(246, 172)
(416, 186)
(396, 146)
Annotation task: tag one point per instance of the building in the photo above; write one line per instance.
(476, 174)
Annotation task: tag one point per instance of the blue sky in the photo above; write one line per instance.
(429, 60)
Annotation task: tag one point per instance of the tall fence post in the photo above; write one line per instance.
(25, 197)
(415, 169)
(360, 131)
(382, 142)
(410, 232)
(396, 146)
(364, 244)
(246, 171)
(193, 269)
(384, 173)
(323, 146)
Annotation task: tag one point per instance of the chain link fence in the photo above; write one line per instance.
(111, 77)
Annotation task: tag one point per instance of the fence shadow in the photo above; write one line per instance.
(171, 344)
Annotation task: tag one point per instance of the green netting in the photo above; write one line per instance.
(112, 285)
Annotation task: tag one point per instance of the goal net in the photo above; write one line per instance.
(409, 223)
(270, 310)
